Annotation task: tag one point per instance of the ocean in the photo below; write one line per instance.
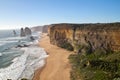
(20, 56)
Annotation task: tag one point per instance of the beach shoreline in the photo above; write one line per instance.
(37, 72)
(57, 66)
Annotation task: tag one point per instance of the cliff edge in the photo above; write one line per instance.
(86, 38)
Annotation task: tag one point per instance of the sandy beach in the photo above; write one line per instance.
(57, 64)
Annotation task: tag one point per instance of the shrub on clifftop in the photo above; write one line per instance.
(95, 67)
(67, 46)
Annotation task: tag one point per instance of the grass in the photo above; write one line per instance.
(95, 67)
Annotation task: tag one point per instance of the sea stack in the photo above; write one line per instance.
(22, 32)
(14, 32)
(27, 31)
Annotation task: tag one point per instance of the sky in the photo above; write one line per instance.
(28, 13)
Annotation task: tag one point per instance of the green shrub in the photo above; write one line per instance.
(67, 46)
(100, 75)
(95, 67)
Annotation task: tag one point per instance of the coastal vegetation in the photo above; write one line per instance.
(95, 67)
(67, 46)
(96, 46)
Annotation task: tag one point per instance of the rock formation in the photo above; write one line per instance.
(45, 29)
(22, 32)
(27, 31)
(14, 32)
(86, 38)
(37, 28)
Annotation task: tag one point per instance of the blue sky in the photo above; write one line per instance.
(21, 13)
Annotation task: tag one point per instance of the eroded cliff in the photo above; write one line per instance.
(86, 38)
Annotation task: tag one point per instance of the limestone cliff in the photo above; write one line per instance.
(37, 28)
(45, 29)
(86, 38)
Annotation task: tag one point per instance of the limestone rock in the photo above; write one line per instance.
(45, 29)
(22, 32)
(27, 31)
(87, 38)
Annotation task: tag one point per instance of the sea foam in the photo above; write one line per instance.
(34, 61)
(14, 70)
(23, 66)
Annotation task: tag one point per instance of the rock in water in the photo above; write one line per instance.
(27, 31)
(14, 32)
(22, 32)
(32, 38)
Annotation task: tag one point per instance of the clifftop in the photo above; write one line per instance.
(97, 26)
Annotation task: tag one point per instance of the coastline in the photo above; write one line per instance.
(37, 72)
(57, 65)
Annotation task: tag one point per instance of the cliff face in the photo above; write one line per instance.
(37, 28)
(45, 29)
(86, 38)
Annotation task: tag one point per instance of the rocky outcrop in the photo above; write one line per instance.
(86, 38)
(14, 32)
(45, 29)
(22, 32)
(25, 32)
(37, 28)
